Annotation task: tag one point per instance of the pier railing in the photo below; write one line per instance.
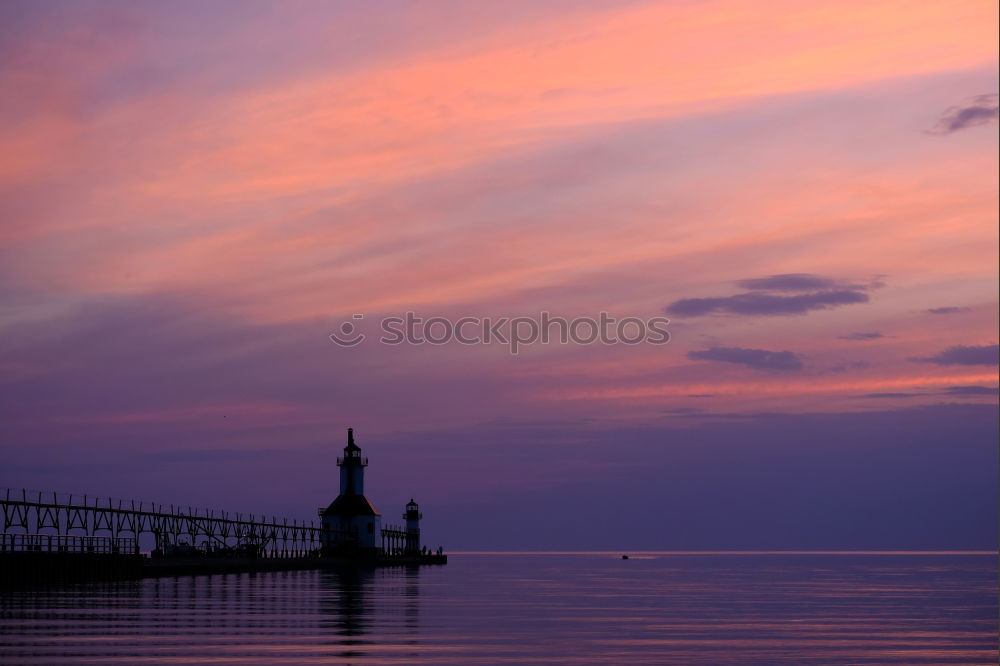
(399, 542)
(62, 543)
(54, 514)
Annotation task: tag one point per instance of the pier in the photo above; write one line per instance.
(58, 536)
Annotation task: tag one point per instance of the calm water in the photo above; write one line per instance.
(555, 608)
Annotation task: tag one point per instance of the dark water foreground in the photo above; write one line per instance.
(530, 608)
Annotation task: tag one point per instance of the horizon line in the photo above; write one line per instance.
(724, 552)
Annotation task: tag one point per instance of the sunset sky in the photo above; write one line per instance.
(193, 196)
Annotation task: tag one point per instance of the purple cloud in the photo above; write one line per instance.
(788, 282)
(817, 293)
(964, 355)
(946, 310)
(890, 395)
(759, 359)
(683, 411)
(862, 336)
(757, 303)
(972, 390)
(853, 365)
(981, 111)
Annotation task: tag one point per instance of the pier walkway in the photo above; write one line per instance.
(56, 536)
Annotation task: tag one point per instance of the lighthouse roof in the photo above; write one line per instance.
(351, 446)
(351, 505)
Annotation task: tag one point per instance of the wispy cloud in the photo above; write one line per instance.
(852, 365)
(946, 310)
(966, 391)
(755, 303)
(981, 110)
(759, 359)
(683, 411)
(819, 293)
(862, 336)
(964, 355)
(788, 282)
(971, 390)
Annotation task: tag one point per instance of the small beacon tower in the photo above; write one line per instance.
(351, 521)
(412, 517)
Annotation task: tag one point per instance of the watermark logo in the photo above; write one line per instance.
(347, 334)
(513, 332)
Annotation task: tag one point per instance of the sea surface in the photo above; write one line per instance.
(562, 608)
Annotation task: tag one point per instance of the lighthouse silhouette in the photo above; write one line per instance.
(412, 517)
(351, 522)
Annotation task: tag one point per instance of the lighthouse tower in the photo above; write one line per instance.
(412, 517)
(351, 522)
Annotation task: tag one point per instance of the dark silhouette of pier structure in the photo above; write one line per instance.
(47, 534)
(46, 514)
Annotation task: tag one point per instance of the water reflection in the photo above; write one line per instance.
(411, 601)
(353, 604)
(346, 605)
(658, 609)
